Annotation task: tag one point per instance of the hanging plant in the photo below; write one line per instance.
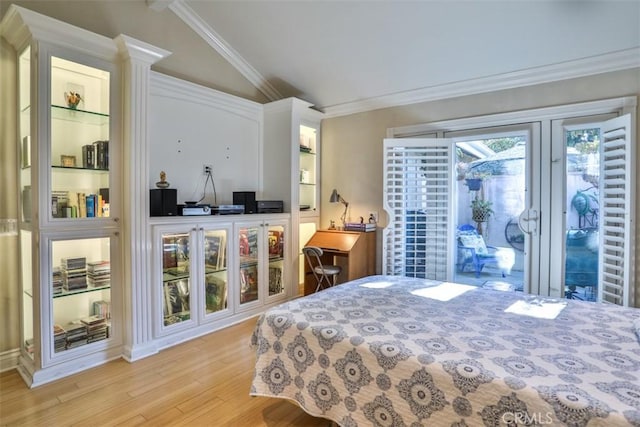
(474, 184)
(481, 210)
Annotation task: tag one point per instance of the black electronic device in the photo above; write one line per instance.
(247, 199)
(270, 206)
(227, 209)
(163, 201)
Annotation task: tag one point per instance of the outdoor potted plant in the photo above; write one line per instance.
(481, 210)
(474, 180)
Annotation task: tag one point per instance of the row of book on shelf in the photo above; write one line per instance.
(96, 155)
(75, 273)
(71, 204)
(95, 327)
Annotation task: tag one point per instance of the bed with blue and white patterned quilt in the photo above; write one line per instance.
(397, 351)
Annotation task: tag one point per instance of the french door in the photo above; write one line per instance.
(432, 187)
(560, 200)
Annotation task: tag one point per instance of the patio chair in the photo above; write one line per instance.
(474, 252)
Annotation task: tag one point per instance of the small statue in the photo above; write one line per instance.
(163, 181)
(73, 99)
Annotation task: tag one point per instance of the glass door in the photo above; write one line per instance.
(215, 271)
(79, 150)
(176, 277)
(276, 239)
(249, 252)
(576, 207)
(494, 201)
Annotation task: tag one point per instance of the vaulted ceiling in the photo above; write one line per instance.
(348, 56)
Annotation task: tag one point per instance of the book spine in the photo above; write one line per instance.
(91, 206)
(82, 205)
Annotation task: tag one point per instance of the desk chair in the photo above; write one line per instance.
(325, 274)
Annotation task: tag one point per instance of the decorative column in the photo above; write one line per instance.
(137, 58)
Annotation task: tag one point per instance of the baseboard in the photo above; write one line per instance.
(9, 359)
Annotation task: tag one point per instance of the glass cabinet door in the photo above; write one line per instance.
(81, 292)
(276, 239)
(25, 195)
(308, 169)
(79, 140)
(249, 253)
(215, 271)
(176, 278)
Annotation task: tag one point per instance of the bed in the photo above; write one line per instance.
(398, 351)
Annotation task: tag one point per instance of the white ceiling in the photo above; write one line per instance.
(349, 56)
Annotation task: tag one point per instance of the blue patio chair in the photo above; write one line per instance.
(473, 251)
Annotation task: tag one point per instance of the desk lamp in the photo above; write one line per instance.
(335, 198)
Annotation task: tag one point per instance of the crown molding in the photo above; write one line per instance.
(608, 62)
(21, 24)
(139, 50)
(197, 24)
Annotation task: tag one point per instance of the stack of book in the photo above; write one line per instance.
(57, 281)
(98, 273)
(74, 273)
(59, 338)
(102, 309)
(96, 155)
(76, 335)
(360, 226)
(97, 328)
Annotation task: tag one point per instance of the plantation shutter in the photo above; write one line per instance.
(417, 198)
(617, 212)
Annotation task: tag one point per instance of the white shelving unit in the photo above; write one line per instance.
(69, 225)
(292, 137)
(84, 220)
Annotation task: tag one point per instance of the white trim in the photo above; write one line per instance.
(163, 85)
(510, 118)
(9, 359)
(19, 24)
(608, 62)
(159, 5)
(213, 39)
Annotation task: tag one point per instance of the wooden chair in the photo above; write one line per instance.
(325, 274)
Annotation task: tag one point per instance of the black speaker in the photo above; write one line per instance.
(246, 198)
(163, 201)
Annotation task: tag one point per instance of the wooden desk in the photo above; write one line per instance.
(354, 251)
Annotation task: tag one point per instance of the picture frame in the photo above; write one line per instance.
(67, 161)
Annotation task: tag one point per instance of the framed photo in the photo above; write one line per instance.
(68, 161)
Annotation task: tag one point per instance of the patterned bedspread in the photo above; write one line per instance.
(394, 351)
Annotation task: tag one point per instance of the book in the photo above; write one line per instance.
(91, 205)
(72, 204)
(360, 226)
(82, 205)
(88, 156)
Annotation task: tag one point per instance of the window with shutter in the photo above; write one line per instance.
(617, 211)
(417, 183)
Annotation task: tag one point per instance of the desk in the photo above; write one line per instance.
(354, 251)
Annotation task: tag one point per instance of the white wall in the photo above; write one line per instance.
(352, 145)
(190, 126)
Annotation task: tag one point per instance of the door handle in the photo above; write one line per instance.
(528, 221)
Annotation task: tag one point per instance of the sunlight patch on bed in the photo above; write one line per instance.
(377, 285)
(443, 292)
(537, 308)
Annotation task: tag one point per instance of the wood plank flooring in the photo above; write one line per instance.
(203, 382)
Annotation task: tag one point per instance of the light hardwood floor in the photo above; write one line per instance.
(203, 382)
